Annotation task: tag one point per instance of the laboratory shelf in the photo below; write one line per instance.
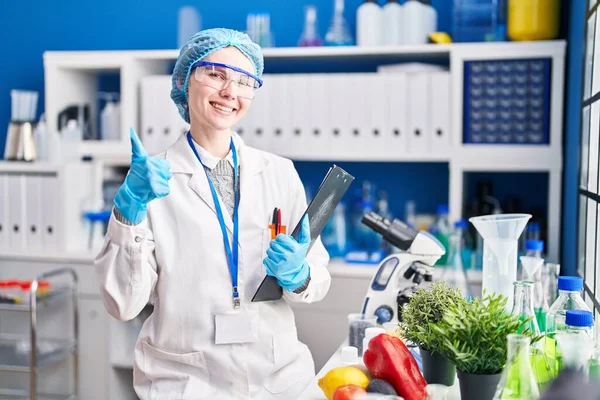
(15, 352)
(22, 394)
(52, 297)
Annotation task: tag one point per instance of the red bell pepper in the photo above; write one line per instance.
(389, 359)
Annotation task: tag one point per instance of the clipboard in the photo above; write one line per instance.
(319, 211)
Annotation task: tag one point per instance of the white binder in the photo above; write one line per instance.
(33, 214)
(440, 111)
(318, 123)
(4, 226)
(280, 105)
(396, 130)
(419, 140)
(50, 212)
(16, 211)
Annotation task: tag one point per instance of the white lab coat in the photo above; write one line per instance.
(176, 260)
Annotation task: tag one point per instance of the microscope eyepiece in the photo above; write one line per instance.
(395, 232)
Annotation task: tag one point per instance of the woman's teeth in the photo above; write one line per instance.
(222, 108)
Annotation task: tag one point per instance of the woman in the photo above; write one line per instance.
(189, 233)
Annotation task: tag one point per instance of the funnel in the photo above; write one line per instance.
(532, 266)
(500, 233)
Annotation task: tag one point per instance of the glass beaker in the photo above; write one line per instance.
(357, 325)
(500, 234)
(517, 380)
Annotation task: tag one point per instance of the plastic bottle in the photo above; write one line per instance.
(40, 138)
(188, 23)
(430, 19)
(369, 18)
(338, 33)
(415, 29)
(110, 118)
(310, 35)
(517, 381)
(393, 24)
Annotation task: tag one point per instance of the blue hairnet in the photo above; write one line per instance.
(199, 47)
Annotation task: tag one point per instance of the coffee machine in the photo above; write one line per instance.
(19, 144)
(402, 273)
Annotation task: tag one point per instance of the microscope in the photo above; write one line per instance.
(399, 274)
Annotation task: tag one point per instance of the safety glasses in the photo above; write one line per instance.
(218, 76)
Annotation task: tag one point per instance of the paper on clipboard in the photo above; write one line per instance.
(321, 208)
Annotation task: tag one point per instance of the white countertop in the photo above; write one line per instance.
(314, 392)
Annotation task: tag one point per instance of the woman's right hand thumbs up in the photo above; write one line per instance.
(147, 179)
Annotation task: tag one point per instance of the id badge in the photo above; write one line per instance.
(236, 326)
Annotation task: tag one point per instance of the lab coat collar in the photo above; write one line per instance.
(183, 161)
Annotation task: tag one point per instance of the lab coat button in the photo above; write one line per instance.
(138, 239)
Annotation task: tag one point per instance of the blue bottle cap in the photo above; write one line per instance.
(570, 283)
(461, 224)
(442, 209)
(579, 318)
(534, 245)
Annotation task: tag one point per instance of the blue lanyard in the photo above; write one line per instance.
(232, 258)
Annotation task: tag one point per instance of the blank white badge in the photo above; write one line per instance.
(236, 326)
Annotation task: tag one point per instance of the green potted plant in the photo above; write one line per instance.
(474, 337)
(425, 309)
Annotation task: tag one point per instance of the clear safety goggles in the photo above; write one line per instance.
(218, 76)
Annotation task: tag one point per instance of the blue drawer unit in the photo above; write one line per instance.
(507, 101)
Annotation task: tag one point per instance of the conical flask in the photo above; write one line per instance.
(532, 271)
(500, 235)
(517, 381)
(454, 272)
(523, 306)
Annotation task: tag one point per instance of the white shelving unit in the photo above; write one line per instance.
(71, 77)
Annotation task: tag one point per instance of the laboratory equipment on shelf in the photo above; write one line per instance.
(19, 144)
(479, 20)
(338, 33)
(518, 380)
(258, 28)
(32, 354)
(310, 35)
(399, 274)
(393, 23)
(369, 23)
(500, 245)
(188, 23)
(533, 19)
(441, 229)
(110, 117)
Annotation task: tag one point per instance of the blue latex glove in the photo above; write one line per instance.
(147, 179)
(286, 258)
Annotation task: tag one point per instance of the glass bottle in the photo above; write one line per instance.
(576, 351)
(517, 381)
(523, 306)
(569, 298)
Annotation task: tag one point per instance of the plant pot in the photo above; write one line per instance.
(477, 386)
(437, 368)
